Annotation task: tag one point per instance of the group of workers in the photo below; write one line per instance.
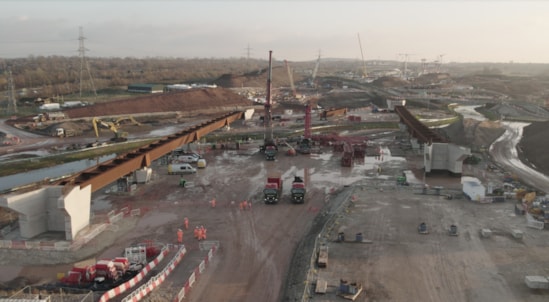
(245, 205)
(199, 232)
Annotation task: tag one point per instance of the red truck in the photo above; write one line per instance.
(298, 190)
(273, 190)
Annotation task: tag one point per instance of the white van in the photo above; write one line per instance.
(188, 158)
(181, 169)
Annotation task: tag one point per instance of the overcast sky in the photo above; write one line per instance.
(461, 31)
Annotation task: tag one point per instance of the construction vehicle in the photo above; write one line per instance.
(311, 81)
(298, 190)
(184, 168)
(273, 190)
(64, 132)
(325, 114)
(453, 230)
(291, 78)
(422, 228)
(125, 120)
(270, 151)
(49, 116)
(269, 147)
(304, 146)
(118, 135)
(291, 150)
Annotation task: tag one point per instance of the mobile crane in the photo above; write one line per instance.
(269, 147)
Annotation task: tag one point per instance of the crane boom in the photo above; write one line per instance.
(364, 74)
(291, 77)
(268, 113)
(315, 71)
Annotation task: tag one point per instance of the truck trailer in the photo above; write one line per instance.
(298, 190)
(273, 190)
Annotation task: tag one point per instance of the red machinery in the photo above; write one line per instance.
(273, 190)
(108, 273)
(298, 190)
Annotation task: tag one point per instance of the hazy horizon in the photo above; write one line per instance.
(454, 31)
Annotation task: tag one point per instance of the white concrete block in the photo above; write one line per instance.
(517, 234)
(536, 282)
(486, 233)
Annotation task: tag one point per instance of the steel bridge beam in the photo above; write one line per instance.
(416, 128)
(101, 175)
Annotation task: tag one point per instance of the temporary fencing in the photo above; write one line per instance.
(157, 280)
(194, 276)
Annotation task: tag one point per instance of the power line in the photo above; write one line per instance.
(83, 62)
(38, 41)
(12, 101)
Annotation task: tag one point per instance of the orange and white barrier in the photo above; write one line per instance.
(194, 276)
(157, 280)
(135, 280)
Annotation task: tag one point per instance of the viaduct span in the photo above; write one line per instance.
(65, 206)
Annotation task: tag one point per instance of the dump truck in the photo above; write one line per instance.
(304, 146)
(64, 132)
(298, 190)
(273, 190)
(270, 150)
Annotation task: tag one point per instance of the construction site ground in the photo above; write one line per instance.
(265, 253)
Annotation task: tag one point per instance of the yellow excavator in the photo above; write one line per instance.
(119, 136)
(125, 120)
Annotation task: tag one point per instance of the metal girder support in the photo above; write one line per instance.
(416, 128)
(101, 175)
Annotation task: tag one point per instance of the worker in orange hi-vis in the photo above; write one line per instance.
(196, 232)
(245, 205)
(180, 236)
(241, 205)
(201, 233)
(186, 222)
(213, 203)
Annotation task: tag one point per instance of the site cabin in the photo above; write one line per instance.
(181, 169)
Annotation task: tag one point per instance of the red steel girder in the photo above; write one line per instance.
(101, 175)
(416, 128)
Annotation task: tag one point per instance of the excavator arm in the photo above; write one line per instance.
(111, 126)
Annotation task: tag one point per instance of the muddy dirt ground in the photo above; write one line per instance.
(264, 252)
